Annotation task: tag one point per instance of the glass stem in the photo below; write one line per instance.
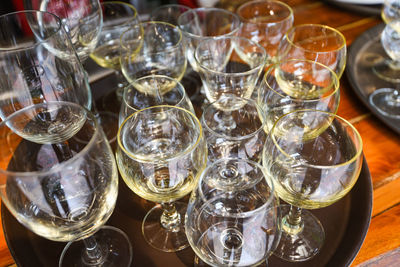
(292, 223)
(170, 219)
(121, 84)
(395, 97)
(93, 255)
(226, 121)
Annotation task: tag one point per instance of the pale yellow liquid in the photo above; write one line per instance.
(300, 89)
(302, 182)
(107, 55)
(157, 176)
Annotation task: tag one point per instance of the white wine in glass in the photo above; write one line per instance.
(161, 152)
(117, 18)
(161, 52)
(310, 172)
(82, 20)
(63, 185)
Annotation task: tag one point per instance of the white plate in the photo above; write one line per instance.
(360, 2)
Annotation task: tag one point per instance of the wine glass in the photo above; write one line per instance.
(229, 65)
(297, 84)
(82, 21)
(311, 168)
(153, 90)
(232, 217)
(390, 10)
(161, 152)
(315, 42)
(60, 180)
(234, 128)
(387, 100)
(117, 18)
(206, 23)
(38, 63)
(389, 69)
(162, 52)
(168, 13)
(265, 22)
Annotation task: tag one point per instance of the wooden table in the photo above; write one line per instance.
(381, 145)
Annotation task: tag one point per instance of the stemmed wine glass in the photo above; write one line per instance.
(229, 65)
(387, 100)
(297, 84)
(206, 23)
(153, 90)
(234, 128)
(232, 217)
(170, 13)
(162, 52)
(38, 63)
(82, 21)
(265, 22)
(117, 18)
(315, 42)
(390, 10)
(60, 180)
(314, 158)
(389, 69)
(161, 152)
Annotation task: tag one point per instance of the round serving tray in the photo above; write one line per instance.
(346, 222)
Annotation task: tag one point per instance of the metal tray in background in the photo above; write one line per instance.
(363, 53)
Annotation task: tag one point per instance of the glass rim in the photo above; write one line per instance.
(321, 26)
(152, 13)
(131, 84)
(234, 74)
(59, 166)
(336, 83)
(36, 42)
(232, 138)
(132, 7)
(207, 10)
(335, 116)
(188, 151)
(177, 45)
(265, 177)
(246, 4)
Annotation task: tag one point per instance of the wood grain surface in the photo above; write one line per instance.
(381, 145)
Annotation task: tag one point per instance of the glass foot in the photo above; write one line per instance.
(386, 70)
(161, 238)
(300, 245)
(386, 101)
(113, 243)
